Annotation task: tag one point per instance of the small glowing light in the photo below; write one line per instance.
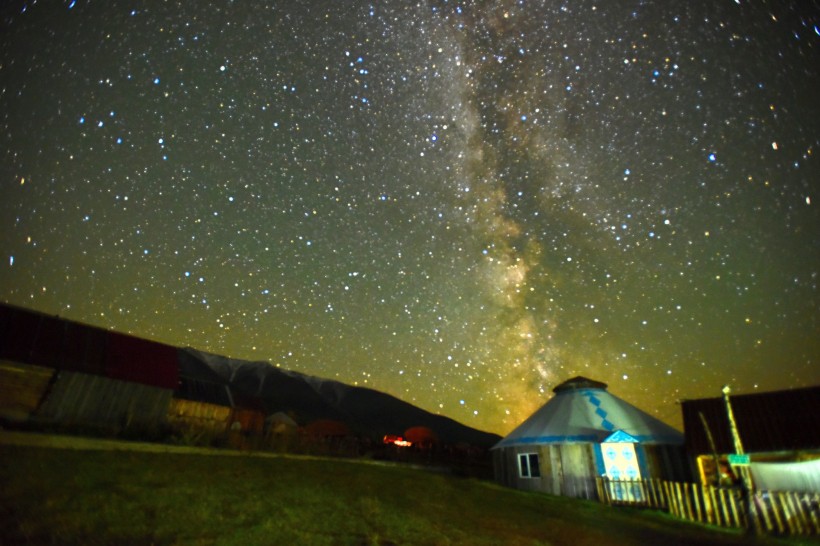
(396, 440)
(774, 145)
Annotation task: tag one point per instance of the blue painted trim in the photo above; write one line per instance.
(528, 440)
(549, 439)
(620, 437)
(599, 460)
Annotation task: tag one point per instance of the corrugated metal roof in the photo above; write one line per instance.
(768, 421)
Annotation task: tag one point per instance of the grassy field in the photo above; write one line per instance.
(59, 496)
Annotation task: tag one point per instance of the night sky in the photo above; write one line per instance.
(459, 203)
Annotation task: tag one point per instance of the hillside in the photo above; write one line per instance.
(63, 496)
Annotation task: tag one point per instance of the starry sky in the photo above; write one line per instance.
(459, 203)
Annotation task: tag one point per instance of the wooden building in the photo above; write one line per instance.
(81, 376)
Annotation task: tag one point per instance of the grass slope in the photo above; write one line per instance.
(56, 496)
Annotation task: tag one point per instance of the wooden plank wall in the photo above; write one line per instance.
(22, 387)
(578, 466)
(200, 416)
(773, 512)
(92, 400)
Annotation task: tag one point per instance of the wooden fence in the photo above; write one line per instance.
(775, 512)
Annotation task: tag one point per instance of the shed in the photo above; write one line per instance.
(774, 427)
(584, 432)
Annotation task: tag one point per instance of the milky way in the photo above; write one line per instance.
(461, 204)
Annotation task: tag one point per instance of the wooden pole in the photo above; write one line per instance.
(747, 490)
(711, 440)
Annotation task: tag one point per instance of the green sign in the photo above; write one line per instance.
(739, 460)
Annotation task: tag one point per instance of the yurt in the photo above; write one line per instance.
(584, 432)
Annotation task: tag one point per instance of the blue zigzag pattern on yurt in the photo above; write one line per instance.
(599, 411)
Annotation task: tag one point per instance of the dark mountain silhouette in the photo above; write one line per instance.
(366, 411)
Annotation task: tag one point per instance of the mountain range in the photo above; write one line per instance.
(260, 385)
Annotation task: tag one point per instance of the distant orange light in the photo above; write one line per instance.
(396, 440)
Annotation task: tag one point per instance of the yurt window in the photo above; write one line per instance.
(528, 465)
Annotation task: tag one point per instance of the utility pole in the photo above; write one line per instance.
(751, 520)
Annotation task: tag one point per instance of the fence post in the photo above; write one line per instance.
(707, 504)
(814, 500)
(670, 504)
(792, 517)
(779, 514)
(718, 506)
(802, 514)
(679, 493)
(727, 512)
(683, 493)
(697, 490)
(653, 485)
(763, 510)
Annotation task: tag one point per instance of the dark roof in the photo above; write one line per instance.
(141, 361)
(768, 421)
(31, 337)
(579, 382)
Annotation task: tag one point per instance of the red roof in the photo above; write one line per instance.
(36, 338)
(141, 361)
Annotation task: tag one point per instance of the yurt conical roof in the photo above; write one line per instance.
(582, 411)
